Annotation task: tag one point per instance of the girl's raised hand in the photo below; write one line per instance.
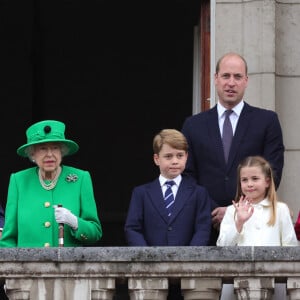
(244, 210)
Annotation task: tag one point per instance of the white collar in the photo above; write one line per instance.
(163, 179)
(264, 202)
(236, 109)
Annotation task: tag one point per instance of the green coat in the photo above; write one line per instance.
(29, 214)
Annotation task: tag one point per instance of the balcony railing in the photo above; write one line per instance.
(96, 272)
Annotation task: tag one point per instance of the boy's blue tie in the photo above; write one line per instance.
(227, 134)
(169, 196)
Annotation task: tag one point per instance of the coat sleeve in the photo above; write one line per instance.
(203, 221)
(228, 235)
(89, 226)
(134, 229)
(274, 148)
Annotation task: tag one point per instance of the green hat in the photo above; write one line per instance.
(46, 132)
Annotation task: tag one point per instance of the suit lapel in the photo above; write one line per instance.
(183, 194)
(214, 133)
(241, 129)
(157, 199)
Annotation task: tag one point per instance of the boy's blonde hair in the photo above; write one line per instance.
(264, 165)
(172, 137)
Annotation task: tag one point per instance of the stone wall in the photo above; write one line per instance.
(266, 33)
(94, 273)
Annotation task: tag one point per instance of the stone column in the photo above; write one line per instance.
(250, 288)
(148, 288)
(60, 289)
(18, 289)
(102, 288)
(293, 288)
(287, 94)
(201, 288)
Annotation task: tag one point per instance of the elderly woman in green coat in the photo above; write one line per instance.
(50, 195)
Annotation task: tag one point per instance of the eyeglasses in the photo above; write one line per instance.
(45, 149)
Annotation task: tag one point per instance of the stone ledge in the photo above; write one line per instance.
(139, 254)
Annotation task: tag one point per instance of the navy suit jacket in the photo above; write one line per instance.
(258, 132)
(1, 217)
(147, 223)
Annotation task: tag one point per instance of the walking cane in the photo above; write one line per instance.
(60, 232)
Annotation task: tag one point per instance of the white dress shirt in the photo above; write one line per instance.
(174, 187)
(234, 116)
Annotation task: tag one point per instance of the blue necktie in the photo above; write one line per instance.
(227, 134)
(169, 197)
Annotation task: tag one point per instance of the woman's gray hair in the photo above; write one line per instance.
(30, 150)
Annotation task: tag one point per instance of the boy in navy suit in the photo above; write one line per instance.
(188, 222)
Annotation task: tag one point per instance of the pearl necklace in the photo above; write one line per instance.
(52, 184)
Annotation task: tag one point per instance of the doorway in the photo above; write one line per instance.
(115, 72)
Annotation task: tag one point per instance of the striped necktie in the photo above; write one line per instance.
(169, 196)
(227, 134)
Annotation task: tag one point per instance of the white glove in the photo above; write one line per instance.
(63, 215)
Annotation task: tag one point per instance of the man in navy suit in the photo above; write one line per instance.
(256, 131)
(188, 223)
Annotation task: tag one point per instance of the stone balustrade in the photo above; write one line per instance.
(84, 273)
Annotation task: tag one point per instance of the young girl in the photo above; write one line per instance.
(256, 218)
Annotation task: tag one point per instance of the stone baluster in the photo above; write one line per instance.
(293, 288)
(18, 289)
(103, 288)
(201, 288)
(148, 288)
(250, 288)
(61, 289)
